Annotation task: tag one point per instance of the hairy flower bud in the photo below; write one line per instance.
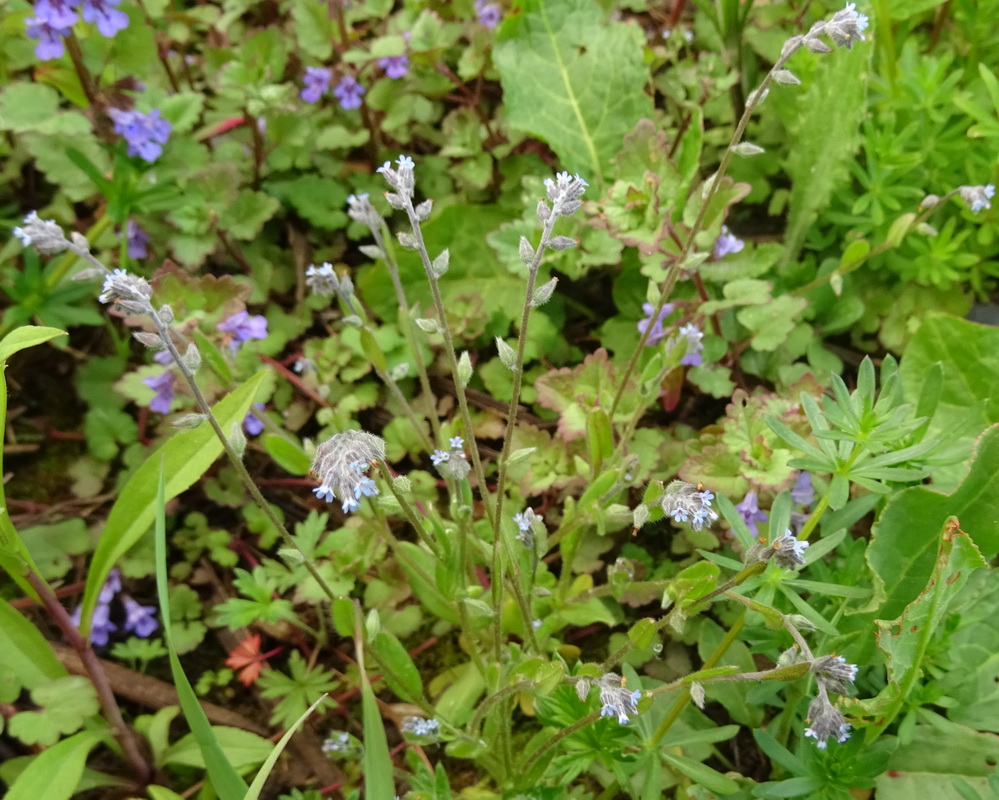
(440, 264)
(544, 293)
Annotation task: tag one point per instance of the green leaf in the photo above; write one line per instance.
(25, 650)
(570, 77)
(701, 773)
(182, 110)
(185, 458)
(24, 337)
(244, 218)
(288, 455)
(241, 749)
(226, 782)
(692, 583)
(968, 355)
(268, 766)
(906, 537)
(905, 640)
(55, 773)
(64, 705)
(825, 135)
(400, 672)
(772, 323)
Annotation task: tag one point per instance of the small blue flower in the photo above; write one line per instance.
(324, 493)
(439, 456)
(456, 442)
(365, 488)
(405, 162)
(317, 83)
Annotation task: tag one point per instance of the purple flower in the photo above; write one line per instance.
(749, 510)
(139, 619)
(163, 386)
(727, 244)
(802, 493)
(57, 13)
(241, 327)
(101, 626)
(163, 357)
(145, 133)
(694, 337)
(657, 334)
(49, 38)
(252, 424)
(317, 83)
(110, 588)
(108, 19)
(395, 66)
(489, 13)
(137, 240)
(349, 92)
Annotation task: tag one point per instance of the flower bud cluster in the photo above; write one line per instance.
(44, 234)
(564, 193)
(832, 673)
(401, 180)
(129, 291)
(615, 698)
(359, 209)
(340, 465)
(786, 550)
(324, 280)
(685, 502)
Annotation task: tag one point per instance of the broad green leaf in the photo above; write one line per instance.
(25, 650)
(692, 583)
(773, 322)
(288, 455)
(377, 762)
(63, 707)
(701, 773)
(825, 135)
(574, 79)
(226, 782)
(241, 750)
(906, 536)
(968, 355)
(55, 773)
(24, 337)
(185, 458)
(14, 556)
(244, 218)
(905, 640)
